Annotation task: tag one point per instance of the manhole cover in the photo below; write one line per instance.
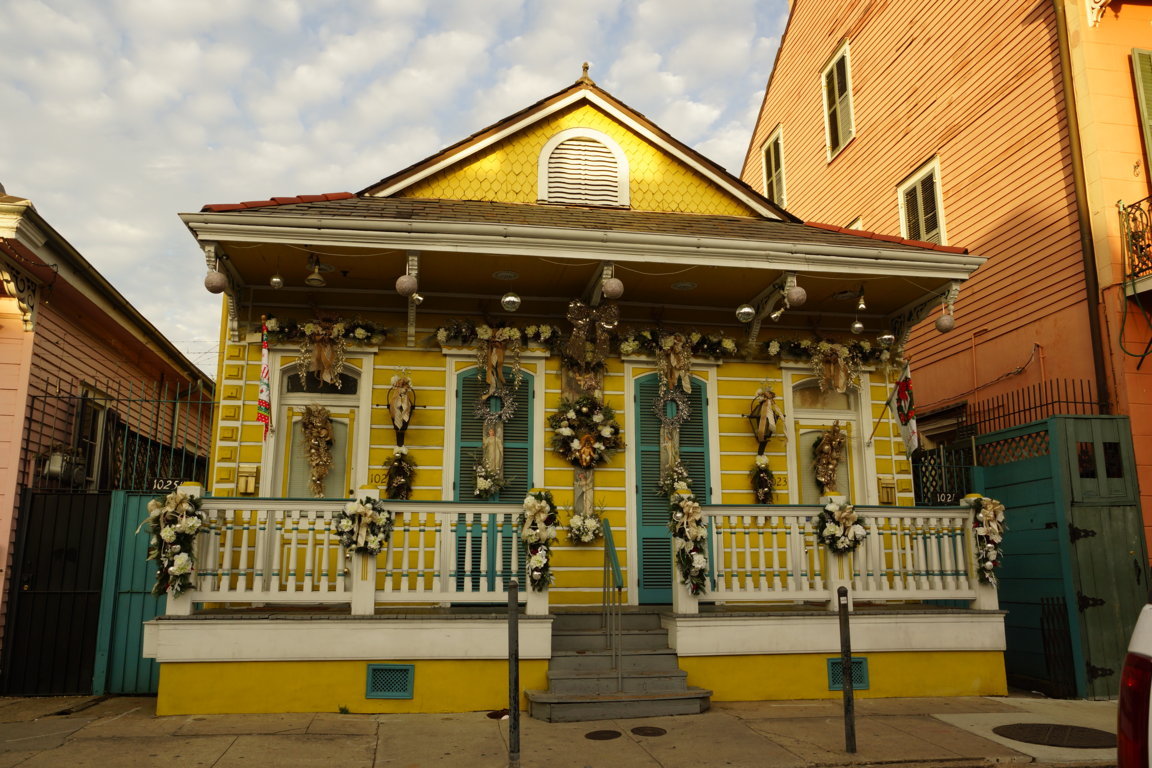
(1052, 735)
(648, 730)
(603, 735)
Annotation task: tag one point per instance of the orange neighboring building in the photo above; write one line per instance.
(93, 399)
(1013, 130)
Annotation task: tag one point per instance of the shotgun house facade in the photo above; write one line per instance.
(568, 305)
(94, 400)
(1021, 131)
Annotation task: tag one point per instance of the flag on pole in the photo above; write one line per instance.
(903, 405)
(264, 396)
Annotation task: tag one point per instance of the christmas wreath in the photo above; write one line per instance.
(585, 432)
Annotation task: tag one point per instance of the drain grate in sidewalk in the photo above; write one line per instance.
(1055, 735)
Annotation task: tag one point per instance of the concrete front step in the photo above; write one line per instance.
(605, 681)
(574, 708)
(595, 640)
(595, 621)
(654, 660)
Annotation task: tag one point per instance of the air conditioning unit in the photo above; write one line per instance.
(66, 469)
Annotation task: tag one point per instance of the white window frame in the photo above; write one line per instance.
(845, 140)
(623, 194)
(930, 168)
(777, 135)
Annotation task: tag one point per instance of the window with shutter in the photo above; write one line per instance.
(838, 120)
(580, 166)
(774, 167)
(652, 536)
(921, 216)
(1142, 76)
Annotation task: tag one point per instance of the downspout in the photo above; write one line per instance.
(1087, 249)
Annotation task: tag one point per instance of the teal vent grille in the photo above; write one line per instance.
(859, 674)
(390, 681)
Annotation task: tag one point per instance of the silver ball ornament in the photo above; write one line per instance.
(745, 313)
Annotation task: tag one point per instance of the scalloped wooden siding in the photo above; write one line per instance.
(583, 171)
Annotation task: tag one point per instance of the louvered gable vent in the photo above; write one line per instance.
(583, 171)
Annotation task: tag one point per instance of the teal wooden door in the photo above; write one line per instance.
(653, 539)
(517, 474)
(126, 602)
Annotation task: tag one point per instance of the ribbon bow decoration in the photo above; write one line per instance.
(364, 516)
(493, 366)
(846, 516)
(590, 326)
(401, 401)
(689, 518)
(764, 416)
(536, 514)
(675, 362)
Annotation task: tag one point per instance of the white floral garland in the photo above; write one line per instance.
(173, 522)
(840, 528)
(364, 526)
(489, 482)
(538, 531)
(585, 528)
(989, 524)
(689, 532)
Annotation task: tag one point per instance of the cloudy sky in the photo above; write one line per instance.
(116, 115)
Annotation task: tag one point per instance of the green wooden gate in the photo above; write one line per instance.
(126, 602)
(652, 536)
(1075, 570)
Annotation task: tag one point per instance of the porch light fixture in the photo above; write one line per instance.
(416, 299)
(315, 280)
(612, 288)
(510, 301)
(777, 314)
(860, 304)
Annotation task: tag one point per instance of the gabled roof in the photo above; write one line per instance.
(586, 91)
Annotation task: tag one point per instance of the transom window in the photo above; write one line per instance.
(837, 87)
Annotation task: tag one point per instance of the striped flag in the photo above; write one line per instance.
(264, 397)
(904, 406)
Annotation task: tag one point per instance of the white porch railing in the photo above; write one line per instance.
(772, 553)
(287, 551)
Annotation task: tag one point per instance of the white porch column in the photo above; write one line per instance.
(839, 575)
(683, 601)
(182, 605)
(535, 602)
(987, 596)
(362, 569)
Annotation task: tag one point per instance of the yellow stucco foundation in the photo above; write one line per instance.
(805, 676)
(326, 686)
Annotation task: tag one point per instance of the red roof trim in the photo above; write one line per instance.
(886, 238)
(223, 207)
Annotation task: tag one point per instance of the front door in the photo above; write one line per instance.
(297, 475)
(653, 539)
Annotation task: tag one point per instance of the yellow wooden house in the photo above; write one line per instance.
(570, 301)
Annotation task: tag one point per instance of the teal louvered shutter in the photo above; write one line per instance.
(1142, 76)
(694, 441)
(502, 549)
(652, 536)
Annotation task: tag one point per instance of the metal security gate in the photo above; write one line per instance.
(50, 635)
(1075, 542)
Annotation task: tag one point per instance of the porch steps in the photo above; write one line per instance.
(582, 685)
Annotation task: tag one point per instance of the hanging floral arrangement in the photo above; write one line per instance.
(399, 471)
(763, 481)
(585, 432)
(586, 528)
(837, 366)
(173, 522)
(593, 330)
(323, 343)
(316, 426)
(686, 521)
(364, 526)
(674, 480)
(496, 346)
(840, 528)
(651, 341)
(826, 455)
(489, 481)
(538, 531)
(989, 525)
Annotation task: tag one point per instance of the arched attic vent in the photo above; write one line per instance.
(581, 166)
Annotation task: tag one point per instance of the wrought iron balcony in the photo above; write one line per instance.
(1135, 221)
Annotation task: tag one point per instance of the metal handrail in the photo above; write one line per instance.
(613, 600)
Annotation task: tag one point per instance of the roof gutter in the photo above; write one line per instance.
(1083, 214)
(626, 246)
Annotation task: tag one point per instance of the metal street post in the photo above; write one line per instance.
(513, 674)
(846, 685)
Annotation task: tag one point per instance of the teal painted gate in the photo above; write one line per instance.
(126, 602)
(1075, 569)
(652, 536)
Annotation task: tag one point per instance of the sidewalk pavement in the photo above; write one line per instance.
(952, 732)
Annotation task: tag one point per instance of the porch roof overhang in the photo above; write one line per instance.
(558, 253)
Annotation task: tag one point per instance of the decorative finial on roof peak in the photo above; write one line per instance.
(584, 76)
